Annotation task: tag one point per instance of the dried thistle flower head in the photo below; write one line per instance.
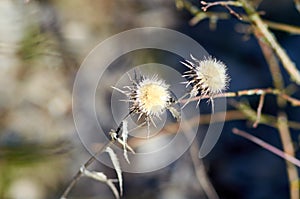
(149, 98)
(152, 96)
(207, 77)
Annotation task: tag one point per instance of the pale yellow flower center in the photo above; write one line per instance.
(153, 98)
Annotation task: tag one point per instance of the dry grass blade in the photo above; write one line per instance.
(125, 137)
(99, 176)
(117, 167)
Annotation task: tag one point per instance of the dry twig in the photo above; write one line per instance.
(259, 108)
(201, 172)
(297, 4)
(260, 26)
(257, 91)
(225, 4)
(100, 150)
(200, 15)
(289, 149)
(267, 146)
(79, 172)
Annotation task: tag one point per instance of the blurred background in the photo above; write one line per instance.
(42, 44)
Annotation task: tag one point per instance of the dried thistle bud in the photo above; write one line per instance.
(207, 77)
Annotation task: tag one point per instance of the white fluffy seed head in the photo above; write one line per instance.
(152, 96)
(208, 77)
(149, 97)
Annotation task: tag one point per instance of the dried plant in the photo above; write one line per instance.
(208, 77)
(272, 52)
(150, 97)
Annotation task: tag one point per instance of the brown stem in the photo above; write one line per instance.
(283, 27)
(92, 159)
(267, 146)
(257, 91)
(297, 4)
(201, 172)
(273, 65)
(259, 108)
(258, 24)
(200, 15)
(225, 4)
(199, 166)
(289, 149)
(86, 164)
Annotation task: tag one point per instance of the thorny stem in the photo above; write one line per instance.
(293, 101)
(92, 159)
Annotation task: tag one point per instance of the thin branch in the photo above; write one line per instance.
(273, 65)
(212, 16)
(251, 115)
(221, 3)
(259, 108)
(283, 27)
(85, 165)
(297, 4)
(199, 166)
(267, 146)
(199, 15)
(205, 119)
(201, 172)
(289, 149)
(258, 24)
(92, 159)
(225, 4)
(257, 91)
